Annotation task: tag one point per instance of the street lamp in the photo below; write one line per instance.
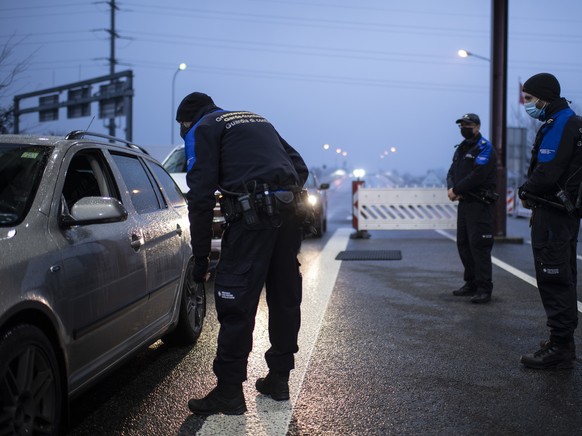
(326, 147)
(464, 54)
(181, 67)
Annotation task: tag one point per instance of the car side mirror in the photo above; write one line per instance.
(95, 210)
(324, 186)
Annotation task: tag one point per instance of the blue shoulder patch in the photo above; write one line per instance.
(553, 131)
(190, 141)
(189, 149)
(484, 152)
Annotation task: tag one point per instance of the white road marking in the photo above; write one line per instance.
(266, 416)
(516, 272)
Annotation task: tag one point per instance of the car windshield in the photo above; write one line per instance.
(176, 161)
(311, 183)
(21, 167)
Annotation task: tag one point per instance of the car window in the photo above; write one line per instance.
(88, 176)
(176, 161)
(139, 184)
(21, 168)
(167, 184)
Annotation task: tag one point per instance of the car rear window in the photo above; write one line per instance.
(167, 185)
(141, 190)
(21, 168)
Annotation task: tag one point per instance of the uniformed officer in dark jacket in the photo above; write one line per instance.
(471, 181)
(260, 176)
(552, 190)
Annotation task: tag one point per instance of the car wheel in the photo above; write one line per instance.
(192, 312)
(31, 391)
(318, 226)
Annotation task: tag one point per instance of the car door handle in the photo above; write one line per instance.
(136, 241)
(179, 230)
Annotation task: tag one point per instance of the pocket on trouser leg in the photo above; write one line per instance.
(481, 234)
(551, 262)
(231, 283)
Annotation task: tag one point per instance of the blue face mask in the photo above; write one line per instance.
(533, 111)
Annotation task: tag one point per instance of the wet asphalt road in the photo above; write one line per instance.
(384, 349)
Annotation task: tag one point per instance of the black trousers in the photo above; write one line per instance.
(475, 241)
(554, 235)
(249, 260)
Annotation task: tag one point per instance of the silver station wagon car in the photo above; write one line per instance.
(95, 263)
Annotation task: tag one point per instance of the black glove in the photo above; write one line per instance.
(525, 202)
(200, 269)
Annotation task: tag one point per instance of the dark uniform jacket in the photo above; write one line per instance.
(232, 150)
(556, 161)
(473, 168)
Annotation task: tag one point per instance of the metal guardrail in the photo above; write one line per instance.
(404, 209)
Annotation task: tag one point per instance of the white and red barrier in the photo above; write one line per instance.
(402, 208)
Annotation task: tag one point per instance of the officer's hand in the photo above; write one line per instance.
(521, 193)
(200, 270)
(451, 194)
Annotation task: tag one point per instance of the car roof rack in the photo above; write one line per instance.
(80, 134)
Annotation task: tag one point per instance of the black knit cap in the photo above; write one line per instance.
(191, 105)
(545, 86)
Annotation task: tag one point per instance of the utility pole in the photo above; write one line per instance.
(498, 113)
(112, 61)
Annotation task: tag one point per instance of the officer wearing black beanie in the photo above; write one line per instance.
(260, 177)
(192, 107)
(551, 190)
(543, 85)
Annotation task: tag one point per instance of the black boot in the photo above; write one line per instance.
(481, 297)
(551, 356)
(276, 385)
(227, 399)
(465, 290)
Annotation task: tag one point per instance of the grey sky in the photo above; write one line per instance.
(362, 76)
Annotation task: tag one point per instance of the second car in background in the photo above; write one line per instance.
(318, 199)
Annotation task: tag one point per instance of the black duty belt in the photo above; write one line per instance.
(250, 206)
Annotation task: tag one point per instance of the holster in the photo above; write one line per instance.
(285, 200)
(230, 208)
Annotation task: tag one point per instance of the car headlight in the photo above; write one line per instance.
(312, 199)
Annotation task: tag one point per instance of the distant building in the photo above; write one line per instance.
(432, 179)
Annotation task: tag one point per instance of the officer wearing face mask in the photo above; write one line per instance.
(471, 182)
(260, 177)
(552, 191)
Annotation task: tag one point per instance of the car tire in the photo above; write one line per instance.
(31, 388)
(319, 225)
(192, 312)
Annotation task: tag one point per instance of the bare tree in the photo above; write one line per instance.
(8, 73)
